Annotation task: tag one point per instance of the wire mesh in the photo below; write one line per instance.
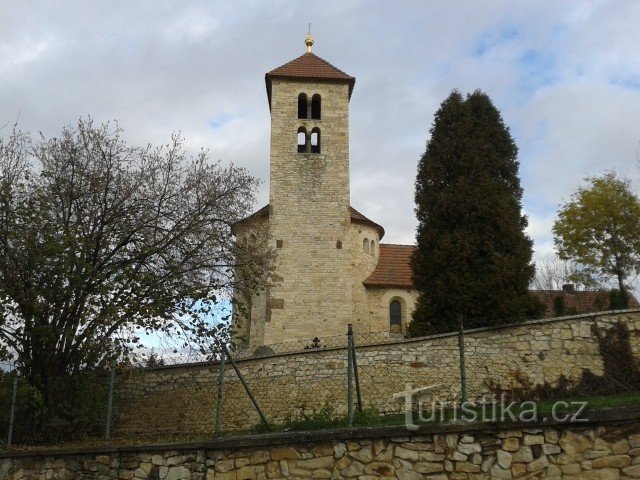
(53, 411)
(304, 384)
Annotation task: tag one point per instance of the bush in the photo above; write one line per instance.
(72, 408)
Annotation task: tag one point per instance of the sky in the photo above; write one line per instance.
(565, 75)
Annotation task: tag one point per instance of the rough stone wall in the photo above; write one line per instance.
(379, 300)
(362, 266)
(309, 217)
(182, 399)
(249, 316)
(568, 452)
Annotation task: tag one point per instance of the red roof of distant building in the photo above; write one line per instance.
(577, 302)
(309, 66)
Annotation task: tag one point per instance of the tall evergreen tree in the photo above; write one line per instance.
(473, 257)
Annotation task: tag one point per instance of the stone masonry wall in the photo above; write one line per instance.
(309, 215)
(179, 400)
(604, 451)
(362, 266)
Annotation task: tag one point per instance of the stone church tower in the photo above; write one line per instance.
(325, 249)
(330, 268)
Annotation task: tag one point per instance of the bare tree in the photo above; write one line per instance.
(554, 273)
(100, 241)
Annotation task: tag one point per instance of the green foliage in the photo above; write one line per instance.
(72, 408)
(101, 240)
(600, 228)
(559, 306)
(472, 255)
(618, 300)
(327, 418)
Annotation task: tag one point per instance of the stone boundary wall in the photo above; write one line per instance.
(174, 401)
(599, 450)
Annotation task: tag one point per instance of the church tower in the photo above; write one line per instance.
(325, 249)
(309, 198)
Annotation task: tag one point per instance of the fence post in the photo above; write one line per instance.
(349, 378)
(219, 394)
(352, 350)
(246, 387)
(12, 414)
(463, 370)
(107, 428)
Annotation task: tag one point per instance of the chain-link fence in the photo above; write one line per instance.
(357, 378)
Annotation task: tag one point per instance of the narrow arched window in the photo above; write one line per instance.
(395, 316)
(302, 140)
(315, 107)
(373, 247)
(365, 245)
(303, 106)
(252, 240)
(315, 140)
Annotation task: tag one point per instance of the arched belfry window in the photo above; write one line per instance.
(303, 106)
(315, 140)
(302, 140)
(365, 245)
(395, 316)
(315, 106)
(373, 247)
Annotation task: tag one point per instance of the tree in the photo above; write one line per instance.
(600, 228)
(553, 274)
(101, 241)
(472, 257)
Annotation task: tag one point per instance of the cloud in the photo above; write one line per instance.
(566, 76)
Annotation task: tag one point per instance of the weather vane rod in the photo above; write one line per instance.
(309, 40)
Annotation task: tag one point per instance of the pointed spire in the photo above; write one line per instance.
(309, 40)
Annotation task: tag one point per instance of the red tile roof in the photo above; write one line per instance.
(356, 217)
(394, 267)
(394, 270)
(309, 66)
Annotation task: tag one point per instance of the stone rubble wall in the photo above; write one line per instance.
(181, 400)
(566, 452)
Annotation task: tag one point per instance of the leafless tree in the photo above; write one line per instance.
(101, 241)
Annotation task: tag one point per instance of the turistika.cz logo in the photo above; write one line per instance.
(496, 408)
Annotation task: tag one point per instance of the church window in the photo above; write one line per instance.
(373, 247)
(252, 240)
(315, 107)
(395, 316)
(302, 140)
(315, 140)
(365, 245)
(303, 106)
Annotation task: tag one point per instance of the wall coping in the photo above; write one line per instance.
(537, 321)
(612, 416)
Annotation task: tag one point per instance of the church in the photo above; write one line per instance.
(331, 268)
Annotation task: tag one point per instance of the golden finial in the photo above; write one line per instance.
(309, 40)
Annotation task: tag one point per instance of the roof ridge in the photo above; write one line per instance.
(313, 55)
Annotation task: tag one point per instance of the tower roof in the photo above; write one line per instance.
(309, 66)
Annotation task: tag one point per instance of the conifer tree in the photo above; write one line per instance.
(473, 257)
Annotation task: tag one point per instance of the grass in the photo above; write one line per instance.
(326, 417)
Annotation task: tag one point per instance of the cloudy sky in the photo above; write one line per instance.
(565, 75)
